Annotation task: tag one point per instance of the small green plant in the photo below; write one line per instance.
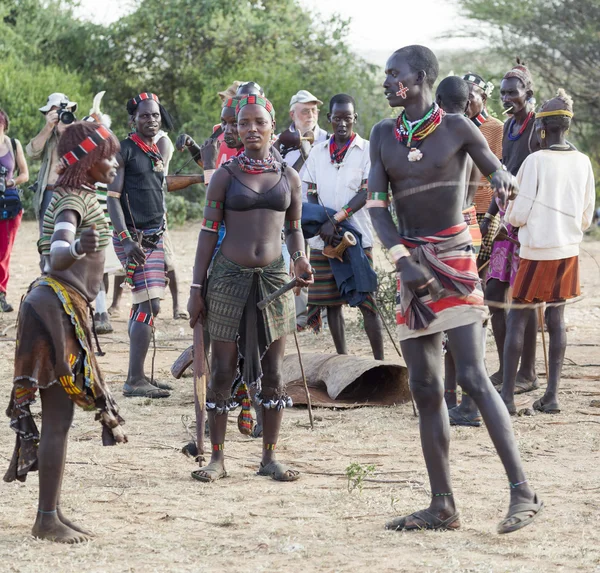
(356, 474)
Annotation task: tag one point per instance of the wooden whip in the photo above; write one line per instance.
(308, 400)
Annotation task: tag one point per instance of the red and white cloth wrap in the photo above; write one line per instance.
(450, 258)
(149, 279)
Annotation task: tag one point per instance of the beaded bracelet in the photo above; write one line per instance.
(377, 199)
(124, 235)
(216, 205)
(296, 224)
(210, 226)
(398, 252)
(297, 255)
(344, 213)
(312, 189)
(491, 175)
(196, 285)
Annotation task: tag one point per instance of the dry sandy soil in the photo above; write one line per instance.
(151, 516)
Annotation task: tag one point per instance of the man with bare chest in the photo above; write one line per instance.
(422, 157)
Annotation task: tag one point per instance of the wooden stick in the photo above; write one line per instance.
(308, 400)
(199, 388)
(541, 320)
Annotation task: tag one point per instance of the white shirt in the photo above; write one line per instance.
(555, 204)
(338, 184)
(294, 155)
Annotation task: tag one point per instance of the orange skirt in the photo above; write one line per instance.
(547, 281)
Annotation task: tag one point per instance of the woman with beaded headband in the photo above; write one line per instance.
(553, 208)
(519, 141)
(255, 196)
(54, 350)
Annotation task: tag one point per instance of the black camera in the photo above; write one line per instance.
(3, 172)
(64, 115)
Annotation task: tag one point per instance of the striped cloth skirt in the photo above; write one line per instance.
(547, 281)
(324, 291)
(148, 280)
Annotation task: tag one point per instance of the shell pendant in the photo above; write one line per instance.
(414, 154)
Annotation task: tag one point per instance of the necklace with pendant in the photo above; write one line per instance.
(412, 133)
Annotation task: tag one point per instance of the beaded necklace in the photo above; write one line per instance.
(408, 131)
(337, 154)
(151, 151)
(257, 166)
(480, 118)
(512, 137)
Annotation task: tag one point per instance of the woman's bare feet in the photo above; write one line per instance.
(49, 526)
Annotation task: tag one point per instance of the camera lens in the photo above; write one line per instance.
(66, 116)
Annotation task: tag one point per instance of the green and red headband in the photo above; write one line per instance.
(144, 96)
(86, 146)
(231, 102)
(255, 100)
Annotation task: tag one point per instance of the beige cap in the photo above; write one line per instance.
(304, 96)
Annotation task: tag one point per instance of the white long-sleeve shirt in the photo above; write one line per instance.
(555, 204)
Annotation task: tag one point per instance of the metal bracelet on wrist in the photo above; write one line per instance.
(73, 251)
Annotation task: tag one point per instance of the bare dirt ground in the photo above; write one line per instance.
(151, 516)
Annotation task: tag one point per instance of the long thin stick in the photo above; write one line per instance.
(399, 354)
(541, 321)
(308, 400)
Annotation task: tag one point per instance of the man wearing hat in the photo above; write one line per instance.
(304, 112)
(43, 146)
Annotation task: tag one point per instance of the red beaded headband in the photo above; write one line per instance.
(144, 96)
(86, 146)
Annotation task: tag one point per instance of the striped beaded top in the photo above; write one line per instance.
(85, 204)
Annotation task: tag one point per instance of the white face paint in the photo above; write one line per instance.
(59, 245)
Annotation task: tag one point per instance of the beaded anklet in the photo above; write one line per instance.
(441, 494)
(270, 446)
(448, 391)
(47, 512)
(218, 447)
(516, 485)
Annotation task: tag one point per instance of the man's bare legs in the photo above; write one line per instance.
(464, 343)
(517, 322)
(140, 337)
(115, 307)
(373, 328)
(337, 327)
(174, 289)
(57, 416)
(423, 358)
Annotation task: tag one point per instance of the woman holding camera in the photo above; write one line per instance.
(12, 159)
